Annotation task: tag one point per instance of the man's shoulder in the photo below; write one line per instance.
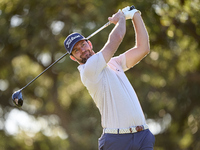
(94, 65)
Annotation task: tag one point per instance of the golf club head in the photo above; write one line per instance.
(17, 98)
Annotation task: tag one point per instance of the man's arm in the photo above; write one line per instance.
(142, 47)
(116, 36)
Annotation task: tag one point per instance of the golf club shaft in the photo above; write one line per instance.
(104, 26)
(44, 71)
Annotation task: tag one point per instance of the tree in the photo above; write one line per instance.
(167, 81)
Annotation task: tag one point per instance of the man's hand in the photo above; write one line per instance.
(129, 13)
(116, 17)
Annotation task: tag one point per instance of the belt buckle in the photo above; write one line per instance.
(139, 128)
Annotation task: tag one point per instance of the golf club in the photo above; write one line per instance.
(17, 95)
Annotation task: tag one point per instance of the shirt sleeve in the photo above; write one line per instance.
(120, 61)
(94, 66)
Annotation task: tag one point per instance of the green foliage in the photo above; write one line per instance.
(167, 81)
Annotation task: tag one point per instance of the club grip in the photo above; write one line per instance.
(132, 7)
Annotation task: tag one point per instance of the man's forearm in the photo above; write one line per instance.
(142, 37)
(118, 32)
(115, 37)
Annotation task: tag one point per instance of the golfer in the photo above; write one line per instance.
(123, 121)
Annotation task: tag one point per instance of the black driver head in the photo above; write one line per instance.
(17, 98)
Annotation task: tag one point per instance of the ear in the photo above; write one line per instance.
(72, 58)
(90, 43)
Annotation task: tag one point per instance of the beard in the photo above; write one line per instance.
(84, 57)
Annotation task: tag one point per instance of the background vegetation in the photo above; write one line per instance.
(58, 112)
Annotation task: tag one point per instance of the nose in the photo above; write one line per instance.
(82, 49)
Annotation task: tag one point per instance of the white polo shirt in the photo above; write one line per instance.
(111, 91)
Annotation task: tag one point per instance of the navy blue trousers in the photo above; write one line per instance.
(143, 140)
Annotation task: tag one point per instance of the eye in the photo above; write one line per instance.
(76, 51)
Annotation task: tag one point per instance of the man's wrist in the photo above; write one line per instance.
(122, 19)
(136, 15)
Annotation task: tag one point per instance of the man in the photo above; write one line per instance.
(123, 121)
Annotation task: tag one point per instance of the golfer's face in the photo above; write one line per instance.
(82, 51)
